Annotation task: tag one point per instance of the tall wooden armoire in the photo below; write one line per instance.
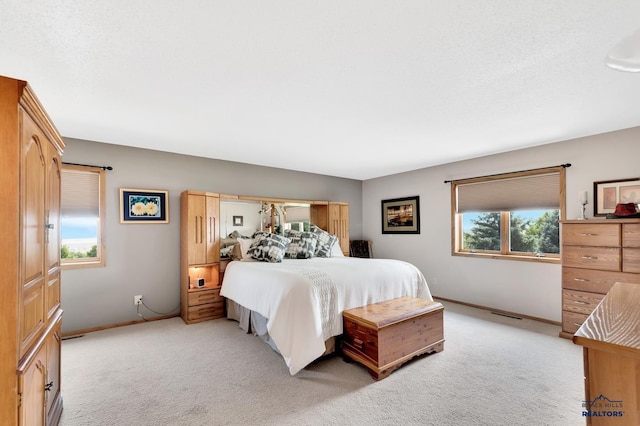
(30, 311)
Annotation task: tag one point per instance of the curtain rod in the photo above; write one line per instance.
(89, 165)
(508, 173)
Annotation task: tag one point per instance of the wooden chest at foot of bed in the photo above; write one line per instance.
(385, 335)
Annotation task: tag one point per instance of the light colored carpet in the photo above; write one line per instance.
(494, 370)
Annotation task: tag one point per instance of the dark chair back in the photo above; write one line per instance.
(360, 248)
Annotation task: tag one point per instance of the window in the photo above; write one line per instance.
(82, 216)
(512, 215)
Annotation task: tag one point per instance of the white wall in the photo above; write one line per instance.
(145, 258)
(528, 288)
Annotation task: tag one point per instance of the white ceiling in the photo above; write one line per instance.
(356, 89)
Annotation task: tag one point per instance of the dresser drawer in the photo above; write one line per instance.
(580, 302)
(594, 281)
(631, 260)
(631, 235)
(200, 297)
(205, 312)
(579, 234)
(604, 258)
(571, 321)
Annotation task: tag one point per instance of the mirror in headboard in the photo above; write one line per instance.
(242, 216)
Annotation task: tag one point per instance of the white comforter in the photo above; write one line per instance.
(304, 299)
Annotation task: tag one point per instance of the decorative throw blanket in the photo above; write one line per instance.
(325, 292)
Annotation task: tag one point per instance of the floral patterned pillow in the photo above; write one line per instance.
(268, 247)
(325, 241)
(302, 246)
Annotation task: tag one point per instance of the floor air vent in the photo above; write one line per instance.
(506, 315)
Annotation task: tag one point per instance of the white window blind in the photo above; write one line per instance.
(541, 191)
(297, 214)
(80, 193)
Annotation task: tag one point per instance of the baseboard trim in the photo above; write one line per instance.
(472, 305)
(498, 311)
(78, 333)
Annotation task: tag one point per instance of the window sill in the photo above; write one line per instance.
(553, 260)
(81, 265)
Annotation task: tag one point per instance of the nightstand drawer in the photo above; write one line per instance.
(580, 302)
(603, 258)
(200, 297)
(603, 235)
(204, 312)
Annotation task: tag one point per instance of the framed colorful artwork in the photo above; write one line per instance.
(144, 206)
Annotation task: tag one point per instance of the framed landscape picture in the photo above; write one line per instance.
(144, 206)
(401, 215)
(606, 194)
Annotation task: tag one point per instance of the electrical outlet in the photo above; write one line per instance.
(137, 300)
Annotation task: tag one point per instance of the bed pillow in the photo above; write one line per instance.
(269, 247)
(302, 245)
(240, 249)
(325, 242)
(336, 251)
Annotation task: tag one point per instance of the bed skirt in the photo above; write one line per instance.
(253, 322)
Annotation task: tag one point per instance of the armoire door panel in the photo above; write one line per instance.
(33, 193)
(32, 314)
(52, 388)
(52, 296)
(31, 387)
(53, 213)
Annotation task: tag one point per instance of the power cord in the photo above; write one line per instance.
(177, 308)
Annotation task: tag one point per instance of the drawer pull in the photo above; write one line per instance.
(578, 302)
(358, 343)
(580, 279)
(577, 323)
(590, 257)
(588, 235)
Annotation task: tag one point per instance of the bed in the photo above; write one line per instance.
(296, 305)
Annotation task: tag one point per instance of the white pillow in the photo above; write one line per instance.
(336, 251)
(245, 243)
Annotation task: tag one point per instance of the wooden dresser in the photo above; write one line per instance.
(611, 340)
(596, 253)
(30, 312)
